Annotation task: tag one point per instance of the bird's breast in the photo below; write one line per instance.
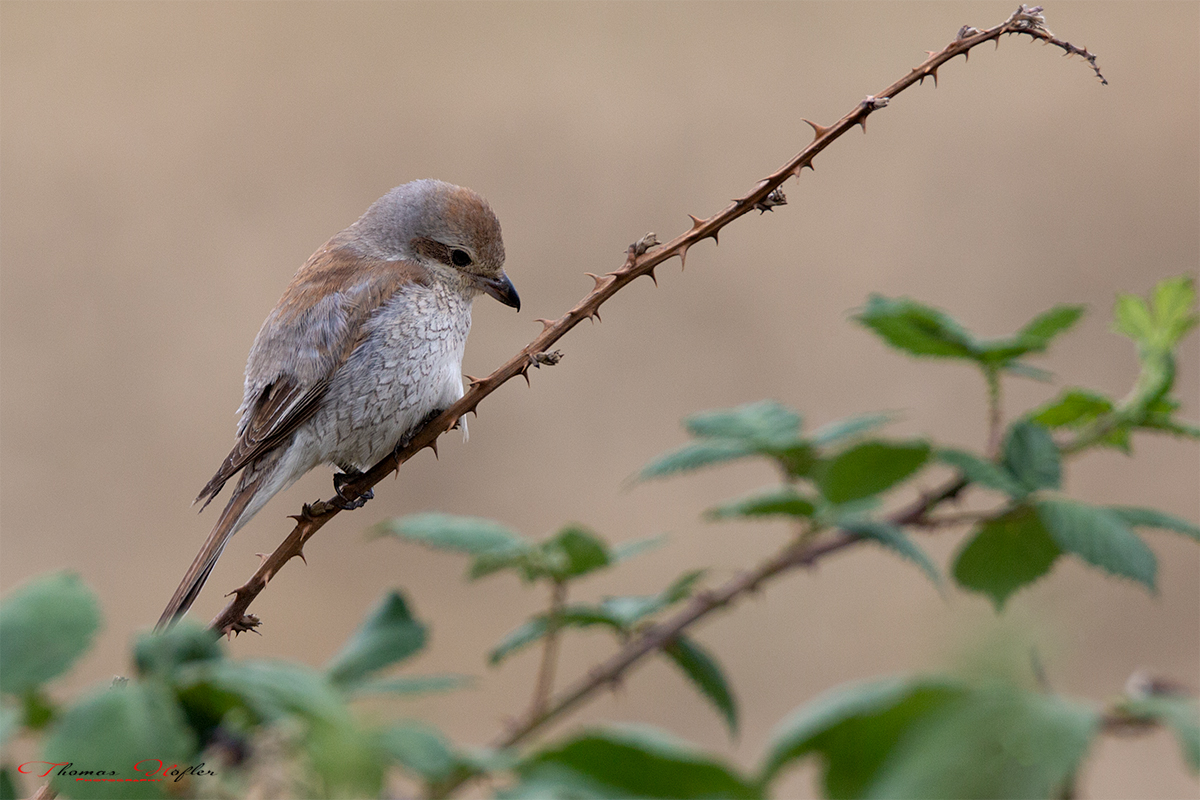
(408, 365)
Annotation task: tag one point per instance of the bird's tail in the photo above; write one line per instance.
(228, 523)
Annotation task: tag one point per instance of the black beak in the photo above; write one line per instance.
(501, 288)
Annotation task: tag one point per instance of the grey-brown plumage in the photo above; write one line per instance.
(365, 343)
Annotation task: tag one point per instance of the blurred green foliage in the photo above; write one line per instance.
(193, 722)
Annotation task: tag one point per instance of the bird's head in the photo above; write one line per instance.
(449, 229)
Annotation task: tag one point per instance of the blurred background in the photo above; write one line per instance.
(165, 168)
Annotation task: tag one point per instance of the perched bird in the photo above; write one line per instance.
(365, 344)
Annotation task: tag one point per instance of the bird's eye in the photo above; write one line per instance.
(460, 258)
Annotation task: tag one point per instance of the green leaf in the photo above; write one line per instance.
(268, 689)
(9, 788)
(38, 710)
(894, 538)
(854, 727)
(1044, 327)
(1073, 408)
(389, 634)
(572, 552)
(581, 552)
(765, 428)
(161, 654)
(848, 428)
(705, 674)
(695, 455)
(1160, 417)
(1161, 323)
(990, 742)
(45, 626)
(635, 547)
(1035, 337)
(1153, 518)
(586, 616)
(412, 685)
(494, 546)
(1177, 712)
(1099, 537)
(1133, 318)
(1031, 456)
(619, 613)
(777, 501)
(763, 425)
(471, 535)
(630, 610)
(421, 749)
(126, 732)
(628, 762)
(982, 472)
(869, 468)
(525, 635)
(917, 329)
(1174, 301)
(1006, 553)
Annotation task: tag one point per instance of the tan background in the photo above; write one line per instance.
(167, 167)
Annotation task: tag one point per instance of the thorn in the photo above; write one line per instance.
(262, 559)
(650, 272)
(307, 513)
(595, 313)
(818, 130)
(524, 373)
(546, 324)
(300, 555)
(698, 223)
(599, 279)
(433, 446)
(683, 257)
(472, 381)
(933, 74)
(932, 53)
(862, 122)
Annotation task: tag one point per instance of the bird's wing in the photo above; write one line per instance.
(318, 323)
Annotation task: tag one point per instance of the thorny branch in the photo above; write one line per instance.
(641, 259)
(802, 552)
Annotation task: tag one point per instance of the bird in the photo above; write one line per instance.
(364, 346)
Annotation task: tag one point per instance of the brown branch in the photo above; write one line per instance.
(641, 259)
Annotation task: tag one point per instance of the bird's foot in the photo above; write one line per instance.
(340, 481)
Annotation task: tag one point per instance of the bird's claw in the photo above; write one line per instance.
(340, 481)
